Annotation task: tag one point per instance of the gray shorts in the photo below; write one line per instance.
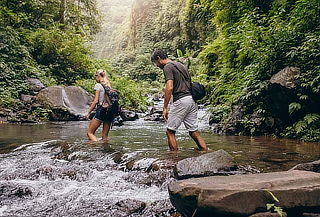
(183, 110)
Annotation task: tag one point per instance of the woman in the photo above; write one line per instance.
(101, 116)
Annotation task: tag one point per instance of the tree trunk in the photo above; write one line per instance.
(63, 4)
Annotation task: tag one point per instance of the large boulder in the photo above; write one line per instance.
(244, 195)
(214, 163)
(67, 103)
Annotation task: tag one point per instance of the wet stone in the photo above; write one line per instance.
(248, 169)
(127, 115)
(209, 164)
(159, 208)
(130, 206)
(129, 164)
(143, 164)
(312, 166)
(117, 157)
(9, 190)
(71, 172)
(157, 178)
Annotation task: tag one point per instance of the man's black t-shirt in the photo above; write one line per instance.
(181, 83)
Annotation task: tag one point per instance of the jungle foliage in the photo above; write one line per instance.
(240, 45)
(48, 40)
(255, 40)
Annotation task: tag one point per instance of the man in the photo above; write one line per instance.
(184, 108)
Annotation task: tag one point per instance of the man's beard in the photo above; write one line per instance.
(161, 66)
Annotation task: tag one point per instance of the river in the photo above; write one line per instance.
(50, 169)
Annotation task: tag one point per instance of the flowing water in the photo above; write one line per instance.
(50, 169)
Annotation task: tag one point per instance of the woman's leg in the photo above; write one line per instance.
(105, 131)
(93, 126)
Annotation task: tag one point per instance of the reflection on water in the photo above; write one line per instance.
(52, 170)
(147, 139)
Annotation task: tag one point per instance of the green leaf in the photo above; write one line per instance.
(300, 126)
(179, 53)
(304, 97)
(272, 195)
(278, 210)
(293, 107)
(311, 118)
(270, 206)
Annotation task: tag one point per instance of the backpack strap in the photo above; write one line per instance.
(185, 77)
(105, 95)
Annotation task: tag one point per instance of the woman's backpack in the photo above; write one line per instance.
(110, 101)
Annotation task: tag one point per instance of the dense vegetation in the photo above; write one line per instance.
(254, 41)
(235, 47)
(48, 40)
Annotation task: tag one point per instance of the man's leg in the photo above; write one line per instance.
(176, 116)
(195, 135)
(172, 142)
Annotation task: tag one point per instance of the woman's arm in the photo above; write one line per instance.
(94, 103)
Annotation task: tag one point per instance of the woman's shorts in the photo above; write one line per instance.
(102, 115)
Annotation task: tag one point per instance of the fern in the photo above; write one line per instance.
(304, 97)
(293, 107)
(300, 126)
(311, 118)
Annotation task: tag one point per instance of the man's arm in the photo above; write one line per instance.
(167, 96)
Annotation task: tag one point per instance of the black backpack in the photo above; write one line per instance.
(110, 101)
(197, 90)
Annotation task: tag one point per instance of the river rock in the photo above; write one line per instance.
(9, 190)
(246, 194)
(154, 117)
(286, 77)
(66, 103)
(214, 163)
(26, 98)
(127, 115)
(153, 178)
(35, 84)
(130, 206)
(312, 166)
(118, 121)
(160, 208)
(143, 164)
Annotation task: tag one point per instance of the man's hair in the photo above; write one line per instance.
(158, 53)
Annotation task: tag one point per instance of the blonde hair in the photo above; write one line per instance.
(104, 77)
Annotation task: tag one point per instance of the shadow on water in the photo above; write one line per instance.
(51, 169)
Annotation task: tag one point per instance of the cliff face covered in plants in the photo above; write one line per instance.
(241, 46)
(255, 40)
